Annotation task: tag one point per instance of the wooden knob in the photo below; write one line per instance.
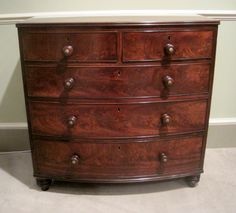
(69, 83)
(168, 81)
(169, 49)
(67, 50)
(75, 159)
(166, 119)
(163, 158)
(71, 121)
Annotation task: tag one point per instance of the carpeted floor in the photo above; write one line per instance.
(215, 193)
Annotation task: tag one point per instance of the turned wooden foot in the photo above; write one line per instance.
(44, 183)
(192, 181)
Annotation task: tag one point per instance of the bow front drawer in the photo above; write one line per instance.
(117, 120)
(120, 82)
(174, 45)
(82, 160)
(73, 47)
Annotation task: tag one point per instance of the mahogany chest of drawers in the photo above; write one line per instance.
(118, 101)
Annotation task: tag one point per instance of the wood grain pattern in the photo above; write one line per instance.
(116, 120)
(149, 46)
(118, 82)
(87, 47)
(120, 160)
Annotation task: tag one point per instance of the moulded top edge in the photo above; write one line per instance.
(118, 21)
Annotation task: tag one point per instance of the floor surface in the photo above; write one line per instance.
(216, 191)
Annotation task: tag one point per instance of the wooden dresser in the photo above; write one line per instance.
(117, 100)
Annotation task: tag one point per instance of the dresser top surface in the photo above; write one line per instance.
(119, 20)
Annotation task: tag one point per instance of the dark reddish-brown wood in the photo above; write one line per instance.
(118, 102)
(119, 82)
(117, 120)
(117, 160)
(87, 47)
(151, 46)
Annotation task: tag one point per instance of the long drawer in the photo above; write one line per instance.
(83, 160)
(120, 82)
(157, 46)
(117, 120)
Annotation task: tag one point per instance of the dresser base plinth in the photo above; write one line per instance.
(191, 180)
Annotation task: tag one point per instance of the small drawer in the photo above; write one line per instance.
(90, 160)
(119, 82)
(72, 47)
(157, 46)
(117, 120)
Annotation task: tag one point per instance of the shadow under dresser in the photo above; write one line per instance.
(118, 100)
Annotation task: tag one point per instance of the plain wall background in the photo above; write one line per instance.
(12, 107)
(15, 6)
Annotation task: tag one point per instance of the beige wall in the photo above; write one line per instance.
(14, 6)
(7, 6)
(11, 92)
(224, 97)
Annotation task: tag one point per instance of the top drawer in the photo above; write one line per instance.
(79, 47)
(156, 46)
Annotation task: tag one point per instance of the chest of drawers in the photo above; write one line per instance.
(117, 101)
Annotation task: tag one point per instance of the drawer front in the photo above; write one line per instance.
(117, 160)
(151, 46)
(86, 47)
(121, 82)
(117, 120)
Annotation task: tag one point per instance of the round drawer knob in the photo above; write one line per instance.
(69, 83)
(71, 121)
(163, 158)
(169, 49)
(75, 159)
(67, 50)
(168, 81)
(166, 119)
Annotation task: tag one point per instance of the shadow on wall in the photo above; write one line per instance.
(12, 107)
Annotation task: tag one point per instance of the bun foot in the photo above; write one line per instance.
(192, 181)
(44, 183)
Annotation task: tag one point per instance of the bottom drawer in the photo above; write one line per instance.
(89, 160)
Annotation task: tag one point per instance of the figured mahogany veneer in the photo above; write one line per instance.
(150, 46)
(118, 101)
(117, 120)
(49, 46)
(123, 82)
(115, 161)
